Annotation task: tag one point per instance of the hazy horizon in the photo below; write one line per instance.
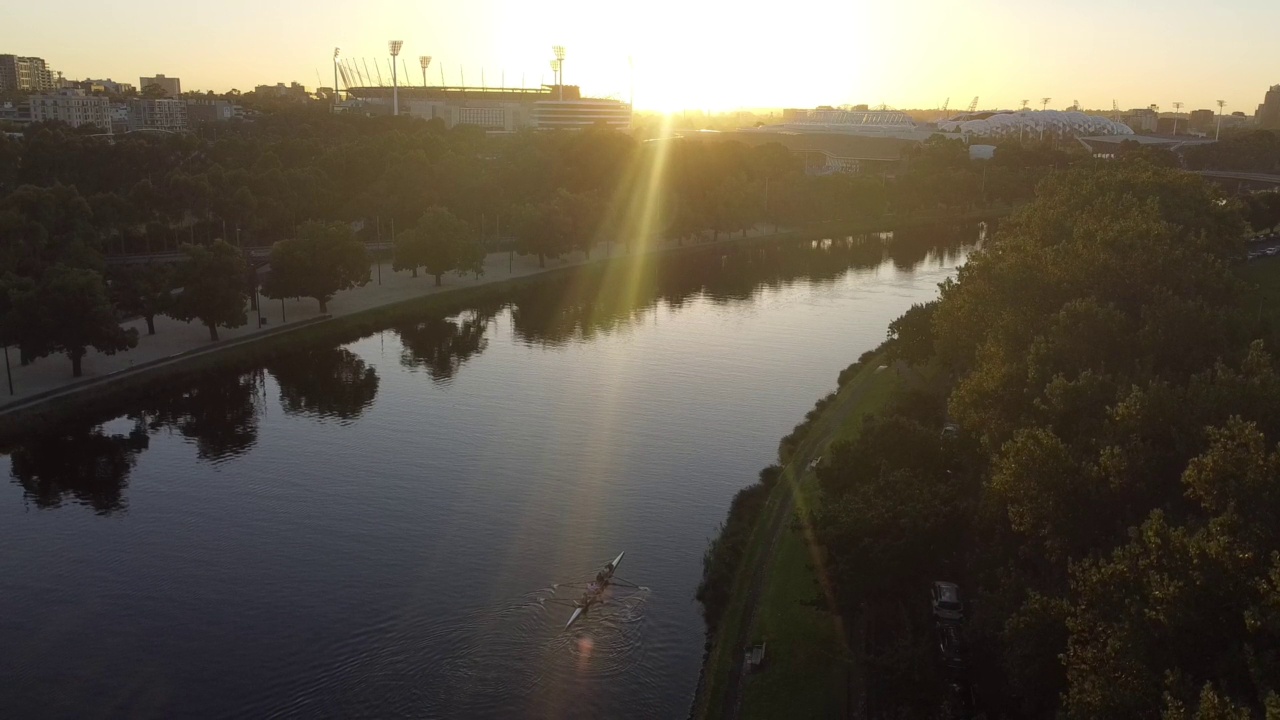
(712, 56)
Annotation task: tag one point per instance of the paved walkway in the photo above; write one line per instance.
(174, 337)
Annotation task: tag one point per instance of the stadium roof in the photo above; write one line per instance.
(1063, 122)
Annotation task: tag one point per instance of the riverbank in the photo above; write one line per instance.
(777, 596)
(46, 394)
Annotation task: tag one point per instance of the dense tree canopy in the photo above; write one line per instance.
(1109, 500)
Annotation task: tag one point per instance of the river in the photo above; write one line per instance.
(370, 529)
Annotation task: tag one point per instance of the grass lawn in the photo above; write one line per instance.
(806, 665)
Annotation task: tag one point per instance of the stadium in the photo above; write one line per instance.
(495, 109)
(1057, 124)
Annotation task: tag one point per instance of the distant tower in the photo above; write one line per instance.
(394, 46)
(1218, 134)
(559, 68)
(425, 62)
(1177, 109)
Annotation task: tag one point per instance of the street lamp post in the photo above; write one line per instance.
(7, 371)
(394, 46)
(425, 62)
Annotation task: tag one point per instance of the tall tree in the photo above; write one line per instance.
(439, 243)
(325, 258)
(143, 290)
(68, 311)
(212, 287)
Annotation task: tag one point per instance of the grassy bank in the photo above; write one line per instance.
(776, 596)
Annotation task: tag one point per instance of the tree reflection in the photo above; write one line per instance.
(325, 382)
(442, 345)
(558, 311)
(84, 466)
(219, 413)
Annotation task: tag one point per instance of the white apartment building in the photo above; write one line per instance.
(165, 114)
(72, 107)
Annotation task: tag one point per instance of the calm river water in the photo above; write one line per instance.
(368, 529)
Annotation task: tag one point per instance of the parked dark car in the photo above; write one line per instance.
(946, 602)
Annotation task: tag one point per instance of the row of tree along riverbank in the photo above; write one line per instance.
(314, 186)
(675, 272)
(1097, 473)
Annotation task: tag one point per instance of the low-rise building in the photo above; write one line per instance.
(31, 74)
(15, 113)
(161, 114)
(1141, 120)
(212, 110)
(106, 86)
(292, 91)
(171, 86)
(72, 107)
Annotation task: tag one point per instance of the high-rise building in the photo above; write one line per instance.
(167, 114)
(171, 86)
(1269, 110)
(31, 74)
(72, 107)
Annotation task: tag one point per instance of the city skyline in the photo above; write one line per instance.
(711, 56)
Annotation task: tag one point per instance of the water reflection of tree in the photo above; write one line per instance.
(442, 345)
(220, 413)
(325, 382)
(82, 465)
(560, 311)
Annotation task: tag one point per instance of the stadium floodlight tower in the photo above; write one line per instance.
(394, 46)
(1218, 134)
(425, 62)
(1177, 110)
(559, 51)
(336, 53)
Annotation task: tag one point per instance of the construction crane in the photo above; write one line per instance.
(942, 113)
(973, 105)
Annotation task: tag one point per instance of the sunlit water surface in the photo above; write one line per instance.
(368, 530)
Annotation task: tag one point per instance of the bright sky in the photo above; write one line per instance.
(695, 54)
